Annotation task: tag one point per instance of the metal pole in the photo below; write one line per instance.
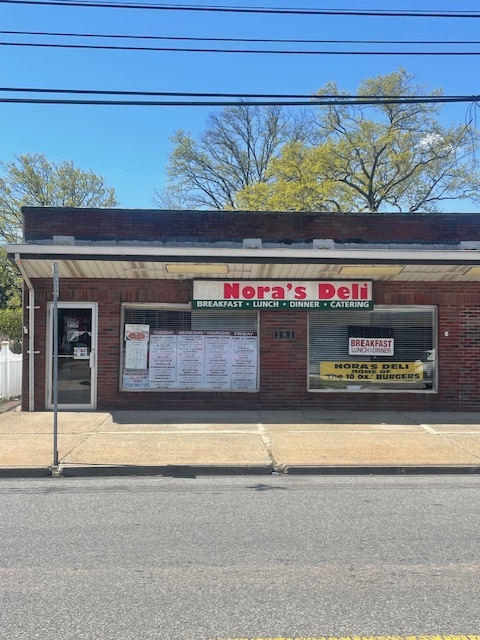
(55, 362)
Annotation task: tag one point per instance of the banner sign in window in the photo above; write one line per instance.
(370, 346)
(133, 379)
(282, 295)
(382, 371)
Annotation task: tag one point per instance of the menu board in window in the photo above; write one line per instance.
(190, 359)
(163, 360)
(244, 360)
(195, 359)
(218, 359)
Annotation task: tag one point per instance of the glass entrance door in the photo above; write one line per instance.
(76, 356)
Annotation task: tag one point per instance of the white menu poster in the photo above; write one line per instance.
(217, 359)
(244, 360)
(163, 360)
(190, 359)
(136, 346)
(136, 354)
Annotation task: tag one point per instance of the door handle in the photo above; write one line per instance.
(91, 359)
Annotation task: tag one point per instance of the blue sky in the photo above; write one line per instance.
(129, 146)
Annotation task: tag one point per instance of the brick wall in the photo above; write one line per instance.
(283, 364)
(145, 225)
(468, 382)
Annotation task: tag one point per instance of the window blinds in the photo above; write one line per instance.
(176, 349)
(412, 330)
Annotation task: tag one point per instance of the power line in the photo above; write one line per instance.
(205, 39)
(106, 47)
(285, 96)
(414, 99)
(233, 103)
(389, 13)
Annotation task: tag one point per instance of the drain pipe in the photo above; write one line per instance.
(31, 333)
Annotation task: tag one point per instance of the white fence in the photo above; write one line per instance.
(10, 373)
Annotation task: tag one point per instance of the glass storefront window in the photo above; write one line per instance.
(176, 349)
(386, 349)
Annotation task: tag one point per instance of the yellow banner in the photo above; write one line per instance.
(371, 371)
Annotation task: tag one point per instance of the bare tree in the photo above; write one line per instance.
(232, 153)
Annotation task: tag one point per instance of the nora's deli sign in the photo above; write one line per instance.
(282, 294)
(391, 371)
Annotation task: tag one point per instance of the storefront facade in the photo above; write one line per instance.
(169, 309)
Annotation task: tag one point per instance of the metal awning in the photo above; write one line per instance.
(174, 263)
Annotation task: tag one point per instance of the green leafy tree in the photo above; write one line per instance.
(381, 158)
(293, 183)
(10, 283)
(11, 328)
(232, 153)
(10, 303)
(31, 180)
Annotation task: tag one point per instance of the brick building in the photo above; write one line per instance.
(187, 309)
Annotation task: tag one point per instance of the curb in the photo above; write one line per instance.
(383, 470)
(25, 472)
(192, 471)
(173, 471)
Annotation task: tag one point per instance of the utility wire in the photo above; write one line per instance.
(263, 10)
(235, 103)
(106, 47)
(259, 40)
(341, 97)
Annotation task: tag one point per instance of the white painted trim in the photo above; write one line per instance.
(48, 353)
(215, 254)
(31, 333)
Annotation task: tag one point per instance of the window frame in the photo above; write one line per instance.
(397, 308)
(166, 306)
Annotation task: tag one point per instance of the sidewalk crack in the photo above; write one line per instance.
(276, 466)
(424, 426)
(474, 455)
(87, 435)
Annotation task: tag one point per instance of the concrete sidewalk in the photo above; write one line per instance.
(187, 442)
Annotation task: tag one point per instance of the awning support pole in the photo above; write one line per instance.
(31, 333)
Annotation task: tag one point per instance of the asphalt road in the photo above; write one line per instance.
(268, 557)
